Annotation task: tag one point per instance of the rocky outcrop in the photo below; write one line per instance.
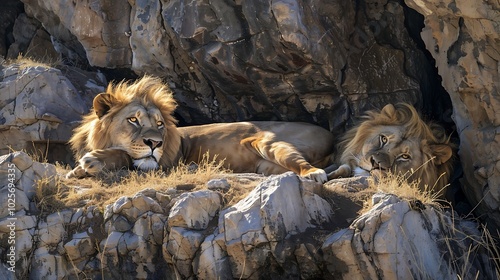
(463, 38)
(42, 104)
(313, 61)
(282, 229)
(399, 239)
(292, 60)
(287, 60)
(19, 220)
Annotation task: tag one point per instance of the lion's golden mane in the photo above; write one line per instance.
(93, 133)
(435, 176)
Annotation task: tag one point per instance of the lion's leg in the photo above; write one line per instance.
(343, 171)
(98, 160)
(285, 155)
(331, 168)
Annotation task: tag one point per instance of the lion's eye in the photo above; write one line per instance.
(383, 140)
(159, 123)
(133, 120)
(405, 156)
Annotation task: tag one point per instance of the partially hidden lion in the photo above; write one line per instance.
(395, 139)
(131, 126)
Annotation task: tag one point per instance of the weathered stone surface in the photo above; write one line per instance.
(288, 60)
(94, 30)
(79, 249)
(281, 229)
(195, 210)
(41, 104)
(258, 225)
(394, 241)
(19, 170)
(47, 265)
(218, 184)
(463, 38)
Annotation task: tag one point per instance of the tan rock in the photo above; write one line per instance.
(462, 36)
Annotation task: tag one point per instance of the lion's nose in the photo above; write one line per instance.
(374, 163)
(153, 144)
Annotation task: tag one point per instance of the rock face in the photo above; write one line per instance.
(285, 60)
(43, 104)
(281, 230)
(463, 38)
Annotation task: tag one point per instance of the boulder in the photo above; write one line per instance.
(41, 104)
(396, 240)
(463, 39)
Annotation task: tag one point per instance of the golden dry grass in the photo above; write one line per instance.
(55, 195)
(107, 188)
(25, 62)
(397, 184)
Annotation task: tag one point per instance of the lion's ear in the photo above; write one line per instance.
(388, 110)
(102, 103)
(441, 152)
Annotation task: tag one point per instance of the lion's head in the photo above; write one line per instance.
(133, 117)
(397, 140)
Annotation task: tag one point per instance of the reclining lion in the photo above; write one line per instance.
(396, 140)
(132, 126)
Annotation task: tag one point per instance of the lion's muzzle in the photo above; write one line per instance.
(153, 144)
(380, 162)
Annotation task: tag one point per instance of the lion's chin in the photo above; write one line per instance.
(146, 164)
(379, 173)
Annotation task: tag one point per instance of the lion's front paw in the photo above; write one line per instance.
(318, 175)
(343, 171)
(89, 165)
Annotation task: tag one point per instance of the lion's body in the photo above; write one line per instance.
(397, 140)
(132, 126)
(260, 147)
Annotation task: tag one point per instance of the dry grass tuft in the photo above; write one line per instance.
(49, 195)
(469, 248)
(398, 185)
(110, 186)
(26, 62)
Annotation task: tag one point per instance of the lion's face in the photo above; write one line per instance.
(387, 149)
(135, 118)
(139, 130)
(396, 140)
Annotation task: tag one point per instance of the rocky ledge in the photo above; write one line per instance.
(284, 228)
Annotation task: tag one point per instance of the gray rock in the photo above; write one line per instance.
(462, 38)
(218, 184)
(181, 248)
(273, 211)
(195, 210)
(40, 104)
(276, 231)
(79, 249)
(401, 242)
(286, 60)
